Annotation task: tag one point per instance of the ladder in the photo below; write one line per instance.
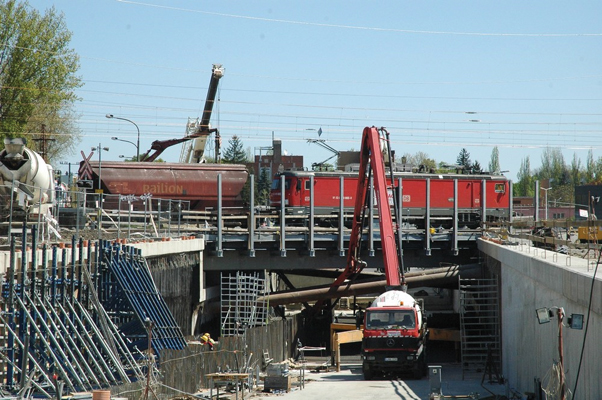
(480, 325)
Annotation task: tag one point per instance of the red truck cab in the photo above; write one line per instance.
(394, 336)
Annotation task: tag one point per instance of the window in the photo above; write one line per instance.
(276, 184)
(500, 188)
(394, 319)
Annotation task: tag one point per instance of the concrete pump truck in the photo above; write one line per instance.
(395, 329)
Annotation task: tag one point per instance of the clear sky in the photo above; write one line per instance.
(439, 75)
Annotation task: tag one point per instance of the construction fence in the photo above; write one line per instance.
(182, 373)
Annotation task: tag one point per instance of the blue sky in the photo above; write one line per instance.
(438, 75)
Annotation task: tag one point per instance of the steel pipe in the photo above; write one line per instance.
(443, 277)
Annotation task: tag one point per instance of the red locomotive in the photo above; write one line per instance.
(327, 194)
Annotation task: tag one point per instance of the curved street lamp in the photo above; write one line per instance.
(137, 144)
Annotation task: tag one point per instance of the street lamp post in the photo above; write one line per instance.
(99, 148)
(137, 141)
(132, 143)
(546, 190)
(99, 217)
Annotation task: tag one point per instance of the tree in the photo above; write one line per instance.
(494, 162)
(525, 184)
(576, 171)
(263, 187)
(421, 158)
(476, 168)
(590, 167)
(463, 159)
(235, 153)
(37, 79)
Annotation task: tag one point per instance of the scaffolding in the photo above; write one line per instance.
(240, 305)
(83, 320)
(480, 325)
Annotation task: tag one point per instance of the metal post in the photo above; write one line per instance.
(536, 201)
(129, 218)
(179, 216)
(427, 222)
(561, 354)
(99, 167)
(77, 201)
(511, 207)
(312, 251)
(220, 250)
(400, 217)
(10, 217)
(119, 218)
(341, 216)
(99, 218)
(282, 218)
(159, 215)
(169, 218)
(484, 204)
(39, 216)
(251, 222)
(146, 199)
(149, 326)
(455, 234)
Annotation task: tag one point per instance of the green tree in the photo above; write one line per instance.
(598, 171)
(421, 158)
(494, 162)
(463, 160)
(476, 168)
(577, 171)
(235, 153)
(263, 188)
(553, 167)
(526, 182)
(37, 79)
(590, 167)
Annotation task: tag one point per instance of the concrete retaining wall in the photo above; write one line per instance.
(529, 349)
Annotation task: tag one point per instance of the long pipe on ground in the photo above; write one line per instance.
(437, 277)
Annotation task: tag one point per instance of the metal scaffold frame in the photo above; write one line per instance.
(480, 325)
(78, 321)
(240, 307)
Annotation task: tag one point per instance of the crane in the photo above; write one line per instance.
(372, 162)
(197, 130)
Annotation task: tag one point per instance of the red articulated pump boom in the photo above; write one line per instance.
(395, 330)
(372, 161)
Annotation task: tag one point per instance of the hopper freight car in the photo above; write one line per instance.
(472, 192)
(194, 183)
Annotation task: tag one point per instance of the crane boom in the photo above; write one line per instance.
(200, 129)
(371, 160)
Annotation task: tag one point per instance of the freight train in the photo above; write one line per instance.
(196, 184)
(475, 196)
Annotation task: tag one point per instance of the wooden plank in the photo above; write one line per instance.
(449, 335)
(349, 336)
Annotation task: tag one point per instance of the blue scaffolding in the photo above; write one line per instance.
(86, 323)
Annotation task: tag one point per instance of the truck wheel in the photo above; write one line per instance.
(368, 374)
